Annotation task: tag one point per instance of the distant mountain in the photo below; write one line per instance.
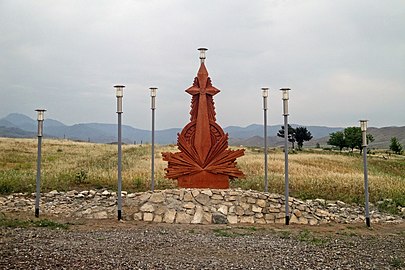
(382, 137)
(53, 123)
(250, 131)
(5, 123)
(21, 121)
(258, 130)
(19, 125)
(272, 141)
(13, 132)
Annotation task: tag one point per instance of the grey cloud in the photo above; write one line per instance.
(67, 55)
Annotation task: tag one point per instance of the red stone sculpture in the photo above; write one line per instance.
(204, 160)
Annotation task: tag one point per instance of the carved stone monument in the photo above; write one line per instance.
(204, 160)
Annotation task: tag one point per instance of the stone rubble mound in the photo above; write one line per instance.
(193, 206)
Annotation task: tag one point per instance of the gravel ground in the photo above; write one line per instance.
(134, 245)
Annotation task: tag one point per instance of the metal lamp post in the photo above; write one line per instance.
(265, 94)
(38, 180)
(119, 90)
(285, 113)
(153, 107)
(202, 54)
(363, 126)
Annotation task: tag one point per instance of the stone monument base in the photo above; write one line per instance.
(204, 180)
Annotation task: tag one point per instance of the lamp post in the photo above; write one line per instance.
(285, 113)
(265, 94)
(153, 107)
(40, 119)
(363, 126)
(202, 54)
(119, 90)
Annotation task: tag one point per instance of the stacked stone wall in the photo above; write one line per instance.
(220, 206)
(193, 206)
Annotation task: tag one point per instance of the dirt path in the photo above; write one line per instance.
(109, 244)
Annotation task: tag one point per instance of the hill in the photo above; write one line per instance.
(19, 125)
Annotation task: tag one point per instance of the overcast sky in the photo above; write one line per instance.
(344, 60)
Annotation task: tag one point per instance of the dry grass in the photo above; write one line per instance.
(79, 165)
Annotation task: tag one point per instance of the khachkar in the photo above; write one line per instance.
(204, 160)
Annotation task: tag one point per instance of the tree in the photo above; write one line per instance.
(395, 146)
(351, 137)
(301, 135)
(337, 139)
(291, 134)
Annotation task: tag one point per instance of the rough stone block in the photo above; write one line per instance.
(218, 218)
(137, 216)
(202, 198)
(183, 218)
(231, 198)
(297, 213)
(181, 194)
(147, 207)
(195, 192)
(251, 200)
(312, 221)
(189, 205)
(270, 217)
(260, 221)
(321, 213)
(100, 215)
(273, 210)
(215, 202)
(188, 197)
(232, 219)
(217, 197)
(190, 211)
(280, 215)
(169, 216)
(198, 216)
(147, 217)
(158, 218)
(143, 198)
(157, 198)
(279, 220)
(206, 192)
(293, 219)
(259, 215)
(223, 209)
(207, 218)
(239, 211)
(247, 219)
(256, 208)
(302, 220)
(245, 206)
(160, 210)
(234, 193)
(261, 203)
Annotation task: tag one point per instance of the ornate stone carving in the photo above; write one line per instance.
(204, 160)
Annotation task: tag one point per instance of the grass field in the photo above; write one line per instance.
(70, 165)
